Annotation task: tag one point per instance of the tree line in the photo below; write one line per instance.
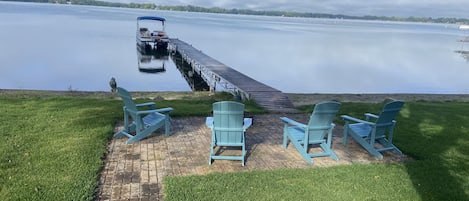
(95, 3)
(190, 8)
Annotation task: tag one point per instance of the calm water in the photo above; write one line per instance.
(61, 47)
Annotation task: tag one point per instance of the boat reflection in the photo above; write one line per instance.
(193, 78)
(464, 52)
(152, 60)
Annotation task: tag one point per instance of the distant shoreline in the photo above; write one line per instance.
(296, 98)
(239, 11)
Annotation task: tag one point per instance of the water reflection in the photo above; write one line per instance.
(193, 78)
(464, 50)
(464, 54)
(152, 60)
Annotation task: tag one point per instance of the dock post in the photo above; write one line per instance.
(213, 85)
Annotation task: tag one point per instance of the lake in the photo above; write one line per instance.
(67, 47)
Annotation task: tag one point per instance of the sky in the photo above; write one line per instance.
(397, 8)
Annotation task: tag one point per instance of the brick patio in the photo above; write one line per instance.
(136, 171)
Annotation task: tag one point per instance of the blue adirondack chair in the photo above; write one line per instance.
(228, 127)
(317, 132)
(375, 133)
(144, 122)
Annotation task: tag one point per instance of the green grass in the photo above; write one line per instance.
(354, 182)
(52, 147)
(188, 106)
(435, 134)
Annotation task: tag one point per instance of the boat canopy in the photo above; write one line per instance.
(151, 18)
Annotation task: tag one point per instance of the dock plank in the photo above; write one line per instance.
(266, 96)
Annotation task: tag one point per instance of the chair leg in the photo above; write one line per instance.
(119, 134)
(139, 136)
(327, 146)
(389, 146)
(212, 145)
(244, 154)
(167, 125)
(130, 128)
(369, 146)
(211, 154)
(344, 139)
(327, 149)
(375, 153)
(303, 149)
(285, 138)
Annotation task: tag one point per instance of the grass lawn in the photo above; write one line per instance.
(52, 148)
(435, 134)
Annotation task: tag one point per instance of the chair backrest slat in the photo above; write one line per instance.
(127, 99)
(322, 116)
(387, 116)
(129, 103)
(228, 121)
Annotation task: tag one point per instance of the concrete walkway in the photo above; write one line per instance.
(136, 171)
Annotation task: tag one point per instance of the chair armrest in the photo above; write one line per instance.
(164, 110)
(321, 127)
(153, 111)
(209, 122)
(247, 122)
(349, 118)
(145, 104)
(292, 122)
(150, 105)
(369, 115)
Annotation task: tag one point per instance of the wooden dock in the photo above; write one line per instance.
(216, 74)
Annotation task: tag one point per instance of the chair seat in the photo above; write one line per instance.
(361, 129)
(153, 118)
(298, 134)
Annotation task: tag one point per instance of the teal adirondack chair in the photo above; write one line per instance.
(375, 133)
(228, 127)
(144, 122)
(317, 132)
